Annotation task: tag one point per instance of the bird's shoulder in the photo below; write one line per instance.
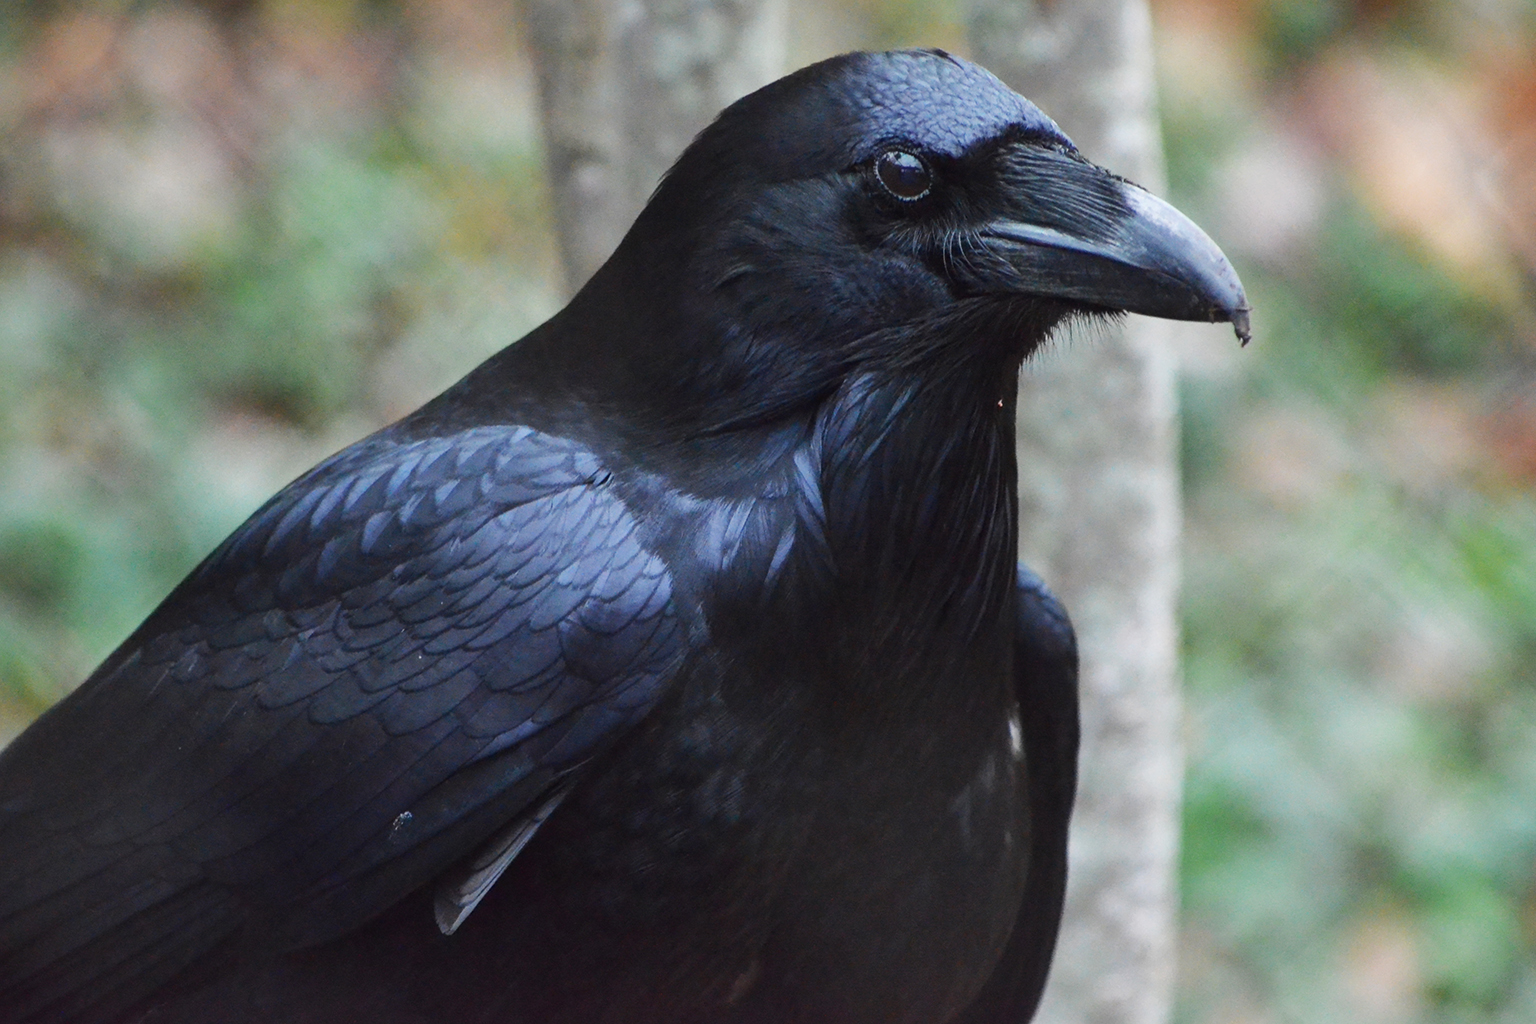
(1043, 626)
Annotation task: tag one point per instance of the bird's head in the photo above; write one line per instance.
(876, 190)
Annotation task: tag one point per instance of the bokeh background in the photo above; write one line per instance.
(237, 235)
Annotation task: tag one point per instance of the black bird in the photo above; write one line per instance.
(673, 666)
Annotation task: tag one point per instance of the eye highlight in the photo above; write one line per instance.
(903, 174)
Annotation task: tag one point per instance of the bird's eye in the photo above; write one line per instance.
(903, 174)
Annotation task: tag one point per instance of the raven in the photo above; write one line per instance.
(674, 666)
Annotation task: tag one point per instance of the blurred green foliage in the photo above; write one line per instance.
(157, 383)
(1359, 628)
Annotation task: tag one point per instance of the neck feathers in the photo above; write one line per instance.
(919, 494)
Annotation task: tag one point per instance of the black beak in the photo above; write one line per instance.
(1072, 230)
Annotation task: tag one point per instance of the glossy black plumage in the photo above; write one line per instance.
(675, 665)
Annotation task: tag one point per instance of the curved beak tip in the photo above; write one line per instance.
(1240, 325)
(1178, 244)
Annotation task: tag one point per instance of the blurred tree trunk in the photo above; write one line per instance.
(623, 86)
(1099, 492)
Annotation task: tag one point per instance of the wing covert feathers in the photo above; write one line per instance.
(398, 656)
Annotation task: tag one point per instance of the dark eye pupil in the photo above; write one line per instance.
(904, 175)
